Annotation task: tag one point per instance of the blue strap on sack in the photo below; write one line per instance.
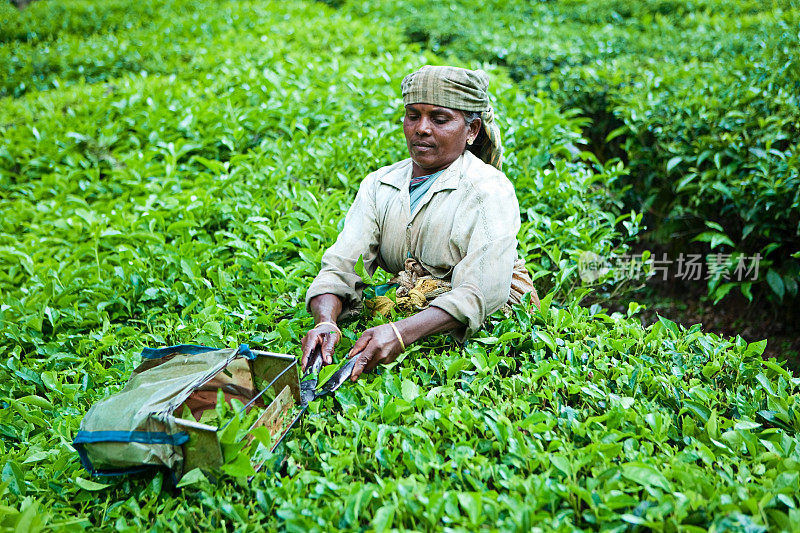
(190, 349)
(144, 437)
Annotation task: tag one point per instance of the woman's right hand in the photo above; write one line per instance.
(324, 336)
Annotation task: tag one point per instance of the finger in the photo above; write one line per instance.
(328, 345)
(304, 352)
(360, 344)
(361, 363)
(373, 362)
(377, 359)
(309, 342)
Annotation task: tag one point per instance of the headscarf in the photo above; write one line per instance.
(457, 88)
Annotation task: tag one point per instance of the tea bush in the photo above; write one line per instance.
(193, 204)
(63, 44)
(700, 99)
(43, 21)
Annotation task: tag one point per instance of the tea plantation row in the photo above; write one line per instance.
(701, 99)
(191, 200)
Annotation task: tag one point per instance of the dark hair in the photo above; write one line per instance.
(477, 146)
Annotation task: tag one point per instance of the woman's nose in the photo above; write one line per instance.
(423, 126)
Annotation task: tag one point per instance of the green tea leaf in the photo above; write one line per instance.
(775, 283)
(547, 339)
(669, 325)
(563, 464)
(36, 401)
(262, 436)
(362, 272)
(14, 478)
(456, 367)
(326, 372)
(239, 467)
(755, 349)
(85, 484)
(193, 477)
(410, 391)
(673, 162)
(384, 518)
(645, 475)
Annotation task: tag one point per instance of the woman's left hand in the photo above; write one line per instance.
(378, 345)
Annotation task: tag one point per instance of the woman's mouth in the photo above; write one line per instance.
(422, 147)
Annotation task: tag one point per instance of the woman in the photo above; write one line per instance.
(455, 215)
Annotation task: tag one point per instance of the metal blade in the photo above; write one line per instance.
(308, 392)
(308, 384)
(339, 377)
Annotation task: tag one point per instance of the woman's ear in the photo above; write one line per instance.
(474, 130)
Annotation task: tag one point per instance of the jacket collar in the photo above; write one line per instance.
(400, 175)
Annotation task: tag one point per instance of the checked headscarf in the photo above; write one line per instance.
(457, 88)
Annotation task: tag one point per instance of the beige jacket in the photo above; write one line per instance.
(464, 230)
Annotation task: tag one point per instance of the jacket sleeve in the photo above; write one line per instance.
(360, 236)
(486, 234)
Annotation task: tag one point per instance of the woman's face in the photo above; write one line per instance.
(435, 136)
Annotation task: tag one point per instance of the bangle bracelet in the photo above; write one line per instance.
(399, 337)
(331, 324)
